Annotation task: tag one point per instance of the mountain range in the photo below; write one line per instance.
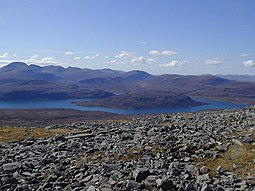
(21, 81)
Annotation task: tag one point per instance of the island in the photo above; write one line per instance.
(143, 100)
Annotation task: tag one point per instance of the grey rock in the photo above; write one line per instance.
(192, 169)
(11, 181)
(165, 184)
(23, 187)
(141, 174)
(220, 170)
(11, 167)
(79, 136)
(237, 142)
(132, 185)
(204, 170)
(106, 189)
(91, 188)
(251, 181)
(206, 187)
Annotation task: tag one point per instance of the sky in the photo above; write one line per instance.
(158, 36)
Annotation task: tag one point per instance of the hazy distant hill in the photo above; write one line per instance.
(241, 78)
(21, 81)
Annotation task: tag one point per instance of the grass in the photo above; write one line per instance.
(16, 134)
(237, 159)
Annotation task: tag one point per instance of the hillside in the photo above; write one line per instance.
(212, 150)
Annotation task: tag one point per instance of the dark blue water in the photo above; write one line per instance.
(68, 104)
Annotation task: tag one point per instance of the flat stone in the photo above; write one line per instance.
(79, 136)
(106, 189)
(11, 167)
(237, 142)
(192, 169)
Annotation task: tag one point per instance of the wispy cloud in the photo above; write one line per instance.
(244, 55)
(124, 54)
(249, 63)
(89, 57)
(174, 63)
(43, 61)
(4, 56)
(215, 61)
(111, 62)
(168, 53)
(68, 53)
(92, 57)
(35, 56)
(151, 60)
(77, 58)
(163, 53)
(6, 61)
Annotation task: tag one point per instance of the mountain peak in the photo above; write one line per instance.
(16, 65)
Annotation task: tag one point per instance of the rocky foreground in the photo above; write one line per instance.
(166, 152)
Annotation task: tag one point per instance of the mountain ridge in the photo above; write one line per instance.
(73, 82)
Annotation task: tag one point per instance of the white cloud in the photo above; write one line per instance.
(141, 60)
(43, 61)
(92, 57)
(6, 61)
(163, 53)
(213, 62)
(154, 52)
(5, 55)
(168, 53)
(244, 55)
(68, 53)
(124, 54)
(89, 57)
(35, 56)
(138, 60)
(77, 58)
(111, 62)
(14, 55)
(151, 60)
(249, 63)
(47, 59)
(173, 63)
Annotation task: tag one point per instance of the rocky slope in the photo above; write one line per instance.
(212, 150)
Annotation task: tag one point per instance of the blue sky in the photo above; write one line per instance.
(158, 36)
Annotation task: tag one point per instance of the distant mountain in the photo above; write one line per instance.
(21, 81)
(183, 84)
(240, 78)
